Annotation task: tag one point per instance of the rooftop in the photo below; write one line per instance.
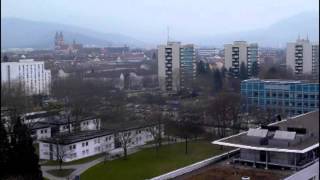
(277, 81)
(70, 138)
(224, 170)
(279, 137)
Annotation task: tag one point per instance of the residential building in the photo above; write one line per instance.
(241, 52)
(73, 146)
(288, 144)
(46, 127)
(77, 145)
(280, 96)
(176, 66)
(32, 75)
(303, 57)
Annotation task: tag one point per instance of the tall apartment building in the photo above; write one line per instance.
(176, 66)
(303, 57)
(240, 52)
(31, 74)
(281, 96)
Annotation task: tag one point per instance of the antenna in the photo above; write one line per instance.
(168, 34)
(307, 36)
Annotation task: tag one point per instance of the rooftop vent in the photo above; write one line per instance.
(284, 135)
(258, 133)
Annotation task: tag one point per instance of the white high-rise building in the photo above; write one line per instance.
(31, 74)
(176, 66)
(303, 57)
(240, 52)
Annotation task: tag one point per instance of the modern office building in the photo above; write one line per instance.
(280, 96)
(287, 149)
(288, 144)
(241, 52)
(176, 66)
(29, 73)
(303, 57)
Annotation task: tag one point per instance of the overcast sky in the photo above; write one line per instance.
(145, 19)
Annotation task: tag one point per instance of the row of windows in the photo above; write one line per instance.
(311, 104)
(43, 131)
(292, 87)
(279, 95)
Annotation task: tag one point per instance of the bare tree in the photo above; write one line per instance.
(60, 151)
(224, 111)
(158, 118)
(126, 138)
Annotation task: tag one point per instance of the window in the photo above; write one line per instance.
(83, 152)
(86, 143)
(83, 144)
(41, 131)
(74, 146)
(45, 131)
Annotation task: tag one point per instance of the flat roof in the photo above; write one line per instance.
(70, 138)
(60, 120)
(226, 170)
(280, 81)
(309, 121)
(130, 125)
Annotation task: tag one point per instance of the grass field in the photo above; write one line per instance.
(150, 163)
(80, 161)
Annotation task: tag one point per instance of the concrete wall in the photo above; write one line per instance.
(251, 155)
(194, 166)
(306, 173)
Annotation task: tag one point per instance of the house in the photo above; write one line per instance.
(73, 146)
(49, 126)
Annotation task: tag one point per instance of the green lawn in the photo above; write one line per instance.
(60, 173)
(148, 163)
(80, 161)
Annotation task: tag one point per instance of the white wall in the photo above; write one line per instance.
(80, 149)
(43, 133)
(307, 55)
(32, 74)
(90, 124)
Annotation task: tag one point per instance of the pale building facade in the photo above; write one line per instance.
(240, 52)
(176, 66)
(32, 75)
(303, 57)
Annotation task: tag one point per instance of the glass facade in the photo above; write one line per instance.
(187, 65)
(280, 96)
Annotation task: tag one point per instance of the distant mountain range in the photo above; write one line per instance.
(20, 33)
(276, 35)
